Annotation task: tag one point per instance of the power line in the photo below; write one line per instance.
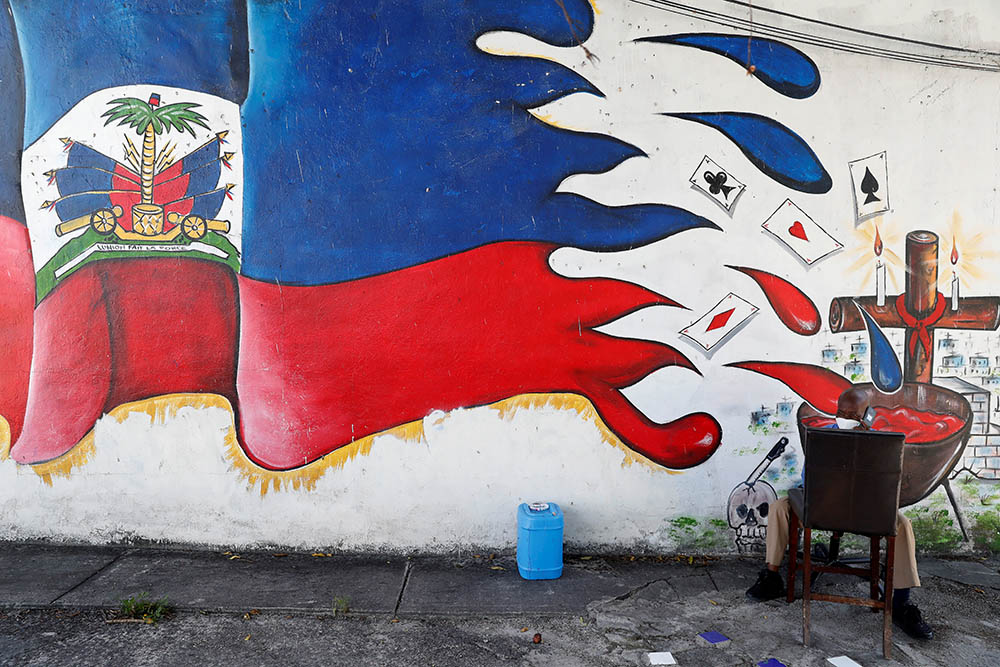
(725, 20)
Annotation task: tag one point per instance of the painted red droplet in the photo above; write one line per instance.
(878, 243)
(798, 231)
(795, 310)
(818, 386)
(954, 251)
(720, 320)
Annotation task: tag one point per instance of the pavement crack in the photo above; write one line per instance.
(91, 576)
(708, 571)
(402, 588)
(628, 594)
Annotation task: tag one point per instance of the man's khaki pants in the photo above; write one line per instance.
(904, 573)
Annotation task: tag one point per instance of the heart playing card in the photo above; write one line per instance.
(800, 233)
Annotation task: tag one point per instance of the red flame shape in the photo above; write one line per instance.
(878, 243)
(954, 251)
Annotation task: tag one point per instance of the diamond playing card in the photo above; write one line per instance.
(721, 322)
(717, 183)
(870, 177)
(800, 234)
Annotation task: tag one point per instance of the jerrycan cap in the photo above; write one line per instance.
(538, 507)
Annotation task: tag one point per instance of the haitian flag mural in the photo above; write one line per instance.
(406, 246)
(339, 236)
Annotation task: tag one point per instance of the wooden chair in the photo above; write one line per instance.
(852, 486)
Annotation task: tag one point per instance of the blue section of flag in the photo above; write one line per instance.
(75, 206)
(80, 155)
(11, 118)
(82, 179)
(201, 156)
(203, 178)
(72, 49)
(207, 205)
(379, 137)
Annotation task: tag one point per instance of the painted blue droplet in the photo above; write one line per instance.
(885, 369)
(771, 147)
(777, 65)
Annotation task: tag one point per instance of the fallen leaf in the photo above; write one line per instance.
(585, 557)
(497, 567)
(524, 629)
(234, 557)
(279, 555)
(255, 611)
(247, 638)
(395, 620)
(714, 602)
(319, 555)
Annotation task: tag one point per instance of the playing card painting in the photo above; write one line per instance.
(299, 249)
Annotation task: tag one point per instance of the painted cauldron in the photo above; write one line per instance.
(925, 464)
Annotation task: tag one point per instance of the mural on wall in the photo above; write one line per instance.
(336, 237)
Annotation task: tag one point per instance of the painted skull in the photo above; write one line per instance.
(749, 506)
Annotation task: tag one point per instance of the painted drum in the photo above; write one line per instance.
(539, 541)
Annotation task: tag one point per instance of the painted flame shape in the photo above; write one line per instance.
(878, 243)
(954, 251)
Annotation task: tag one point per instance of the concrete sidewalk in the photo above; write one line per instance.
(604, 610)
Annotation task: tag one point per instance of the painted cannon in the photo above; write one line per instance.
(104, 221)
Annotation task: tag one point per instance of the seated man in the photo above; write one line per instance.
(770, 584)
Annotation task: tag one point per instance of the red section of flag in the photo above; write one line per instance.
(324, 365)
(17, 305)
(122, 330)
(720, 320)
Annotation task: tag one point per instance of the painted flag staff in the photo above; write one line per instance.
(919, 310)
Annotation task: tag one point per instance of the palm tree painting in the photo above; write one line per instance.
(149, 119)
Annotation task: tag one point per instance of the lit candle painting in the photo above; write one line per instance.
(954, 274)
(880, 270)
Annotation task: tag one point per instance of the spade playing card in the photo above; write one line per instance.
(871, 187)
(721, 322)
(717, 183)
(800, 234)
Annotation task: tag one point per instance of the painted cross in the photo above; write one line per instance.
(919, 310)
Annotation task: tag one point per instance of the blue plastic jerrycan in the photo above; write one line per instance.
(539, 540)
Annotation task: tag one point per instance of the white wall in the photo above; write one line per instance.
(458, 484)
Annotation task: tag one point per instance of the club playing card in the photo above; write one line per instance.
(717, 182)
(719, 323)
(871, 185)
(790, 225)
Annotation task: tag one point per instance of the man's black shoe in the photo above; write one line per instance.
(769, 586)
(909, 619)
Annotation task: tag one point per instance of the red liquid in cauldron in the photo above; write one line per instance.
(918, 426)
